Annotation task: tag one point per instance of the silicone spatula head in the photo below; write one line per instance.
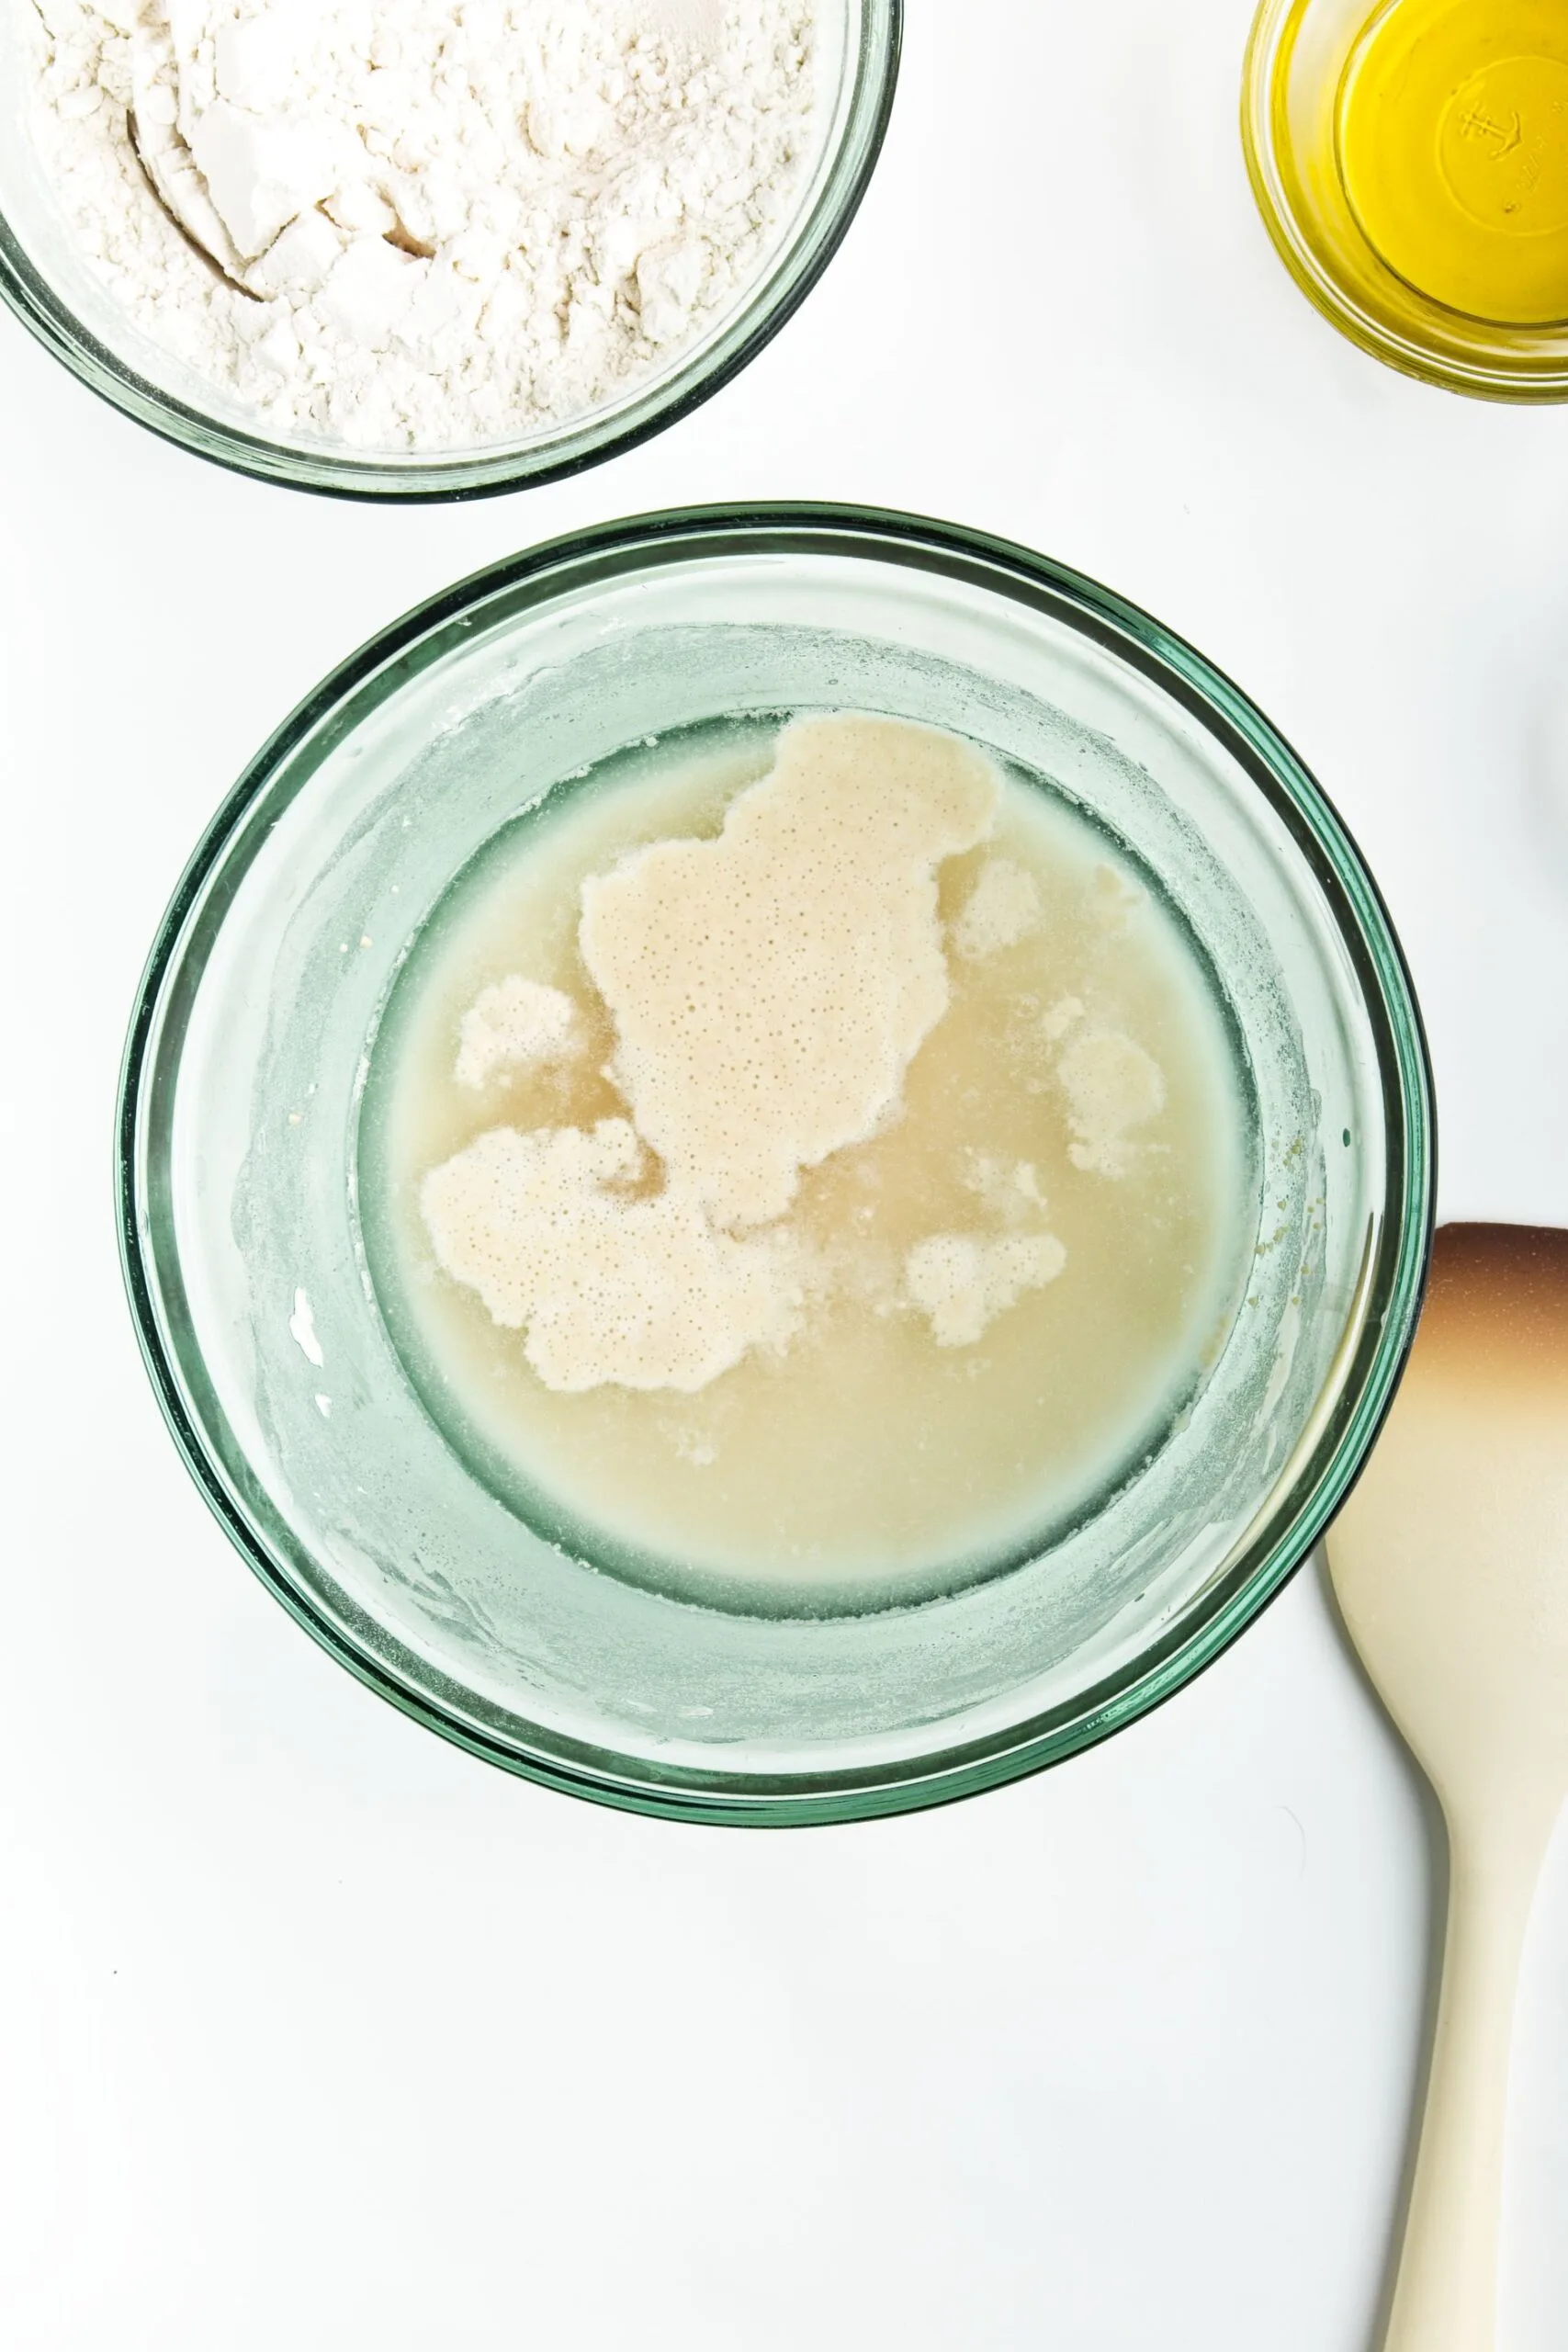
(1450, 1564)
(1450, 1559)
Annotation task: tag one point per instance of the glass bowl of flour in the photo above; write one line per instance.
(776, 1164)
(433, 250)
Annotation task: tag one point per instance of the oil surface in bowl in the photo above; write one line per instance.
(822, 1215)
(1451, 133)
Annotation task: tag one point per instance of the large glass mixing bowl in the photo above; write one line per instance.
(55, 292)
(244, 1075)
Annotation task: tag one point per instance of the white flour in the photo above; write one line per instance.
(424, 223)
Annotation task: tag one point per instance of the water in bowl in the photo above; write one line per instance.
(806, 1374)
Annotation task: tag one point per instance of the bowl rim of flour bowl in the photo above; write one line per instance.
(239, 1150)
(91, 335)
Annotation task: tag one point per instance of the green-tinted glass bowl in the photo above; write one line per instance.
(242, 1087)
(55, 293)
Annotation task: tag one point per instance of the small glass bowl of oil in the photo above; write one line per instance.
(1411, 164)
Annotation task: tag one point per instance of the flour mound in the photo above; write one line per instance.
(609, 1286)
(770, 988)
(424, 224)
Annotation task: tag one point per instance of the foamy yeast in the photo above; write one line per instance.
(516, 1025)
(770, 988)
(812, 1160)
(608, 1284)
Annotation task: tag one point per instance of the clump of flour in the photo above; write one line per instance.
(424, 223)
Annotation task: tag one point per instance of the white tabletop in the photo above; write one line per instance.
(314, 2032)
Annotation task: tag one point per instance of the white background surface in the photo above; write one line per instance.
(314, 2032)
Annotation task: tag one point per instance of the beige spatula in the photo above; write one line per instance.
(1450, 1564)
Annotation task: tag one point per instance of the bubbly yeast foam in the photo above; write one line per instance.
(804, 1161)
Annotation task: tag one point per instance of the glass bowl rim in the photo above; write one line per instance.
(528, 578)
(494, 471)
(1496, 376)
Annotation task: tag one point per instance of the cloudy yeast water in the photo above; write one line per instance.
(805, 1164)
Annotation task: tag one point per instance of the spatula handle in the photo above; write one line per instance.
(1446, 2295)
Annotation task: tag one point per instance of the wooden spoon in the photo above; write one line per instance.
(1450, 1564)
